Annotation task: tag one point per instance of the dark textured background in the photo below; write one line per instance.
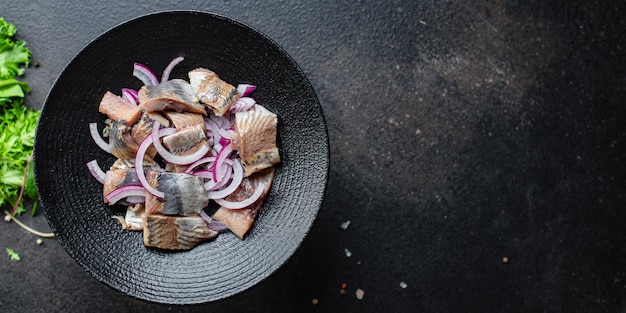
(461, 132)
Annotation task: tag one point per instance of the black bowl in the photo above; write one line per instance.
(72, 199)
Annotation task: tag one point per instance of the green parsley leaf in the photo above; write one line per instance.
(13, 54)
(13, 255)
(17, 122)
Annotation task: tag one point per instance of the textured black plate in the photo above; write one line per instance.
(72, 199)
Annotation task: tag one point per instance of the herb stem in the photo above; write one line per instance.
(28, 229)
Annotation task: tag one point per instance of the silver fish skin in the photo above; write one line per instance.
(217, 94)
(175, 94)
(175, 232)
(186, 141)
(255, 139)
(184, 194)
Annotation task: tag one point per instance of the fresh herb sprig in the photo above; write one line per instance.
(17, 123)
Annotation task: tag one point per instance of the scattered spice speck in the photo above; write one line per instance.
(348, 253)
(345, 225)
(344, 286)
(505, 260)
(403, 285)
(342, 292)
(315, 301)
(360, 294)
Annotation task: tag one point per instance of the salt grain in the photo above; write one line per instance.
(403, 285)
(360, 293)
(345, 224)
(348, 253)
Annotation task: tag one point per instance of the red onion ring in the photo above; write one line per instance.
(211, 184)
(245, 89)
(145, 74)
(125, 191)
(96, 171)
(198, 163)
(235, 182)
(221, 156)
(245, 203)
(141, 152)
(95, 135)
(131, 95)
(170, 157)
(168, 69)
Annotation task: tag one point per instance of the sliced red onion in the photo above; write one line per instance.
(213, 224)
(96, 171)
(235, 182)
(221, 156)
(145, 74)
(125, 191)
(242, 104)
(224, 141)
(190, 168)
(213, 184)
(204, 174)
(245, 89)
(141, 152)
(170, 157)
(235, 205)
(168, 69)
(131, 95)
(93, 130)
(215, 133)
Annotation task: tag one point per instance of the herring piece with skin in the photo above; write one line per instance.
(123, 146)
(119, 109)
(212, 91)
(143, 129)
(175, 232)
(183, 120)
(240, 221)
(255, 139)
(116, 178)
(175, 94)
(184, 194)
(186, 141)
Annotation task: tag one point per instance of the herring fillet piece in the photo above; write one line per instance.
(212, 91)
(240, 221)
(175, 232)
(184, 194)
(119, 109)
(175, 94)
(255, 139)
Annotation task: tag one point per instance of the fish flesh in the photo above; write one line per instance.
(187, 140)
(240, 221)
(123, 146)
(175, 232)
(143, 129)
(255, 139)
(183, 120)
(212, 91)
(184, 194)
(175, 94)
(117, 178)
(133, 218)
(119, 109)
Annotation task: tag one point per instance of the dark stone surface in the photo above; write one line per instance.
(461, 133)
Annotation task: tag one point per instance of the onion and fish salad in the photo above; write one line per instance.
(181, 145)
